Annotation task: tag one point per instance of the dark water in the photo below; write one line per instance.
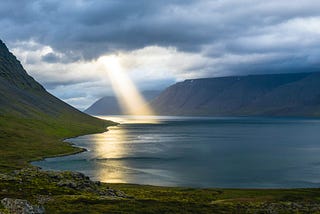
(201, 152)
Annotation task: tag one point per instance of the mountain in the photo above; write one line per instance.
(294, 94)
(32, 121)
(109, 105)
(21, 95)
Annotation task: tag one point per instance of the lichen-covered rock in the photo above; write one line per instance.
(43, 199)
(74, 181)
(289, 207)
(19, 206)
(68, 183)
(6, 177)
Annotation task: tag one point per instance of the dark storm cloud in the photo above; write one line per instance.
(62, 58)
(92, 27)
(88, 29)
(50, 85)
(51, 58)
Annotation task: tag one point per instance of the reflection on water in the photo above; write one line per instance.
(200, 152)
(107, 147)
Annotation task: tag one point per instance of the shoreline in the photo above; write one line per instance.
(63, 140)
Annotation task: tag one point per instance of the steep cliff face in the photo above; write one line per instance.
(12, 71)
(296, 94)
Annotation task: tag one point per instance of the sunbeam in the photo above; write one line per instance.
(128, 96)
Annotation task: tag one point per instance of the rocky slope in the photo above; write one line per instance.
(295, 94)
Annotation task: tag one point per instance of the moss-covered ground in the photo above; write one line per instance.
(41, 187)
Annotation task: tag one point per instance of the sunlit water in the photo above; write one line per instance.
(200, 152)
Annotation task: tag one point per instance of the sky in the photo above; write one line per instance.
(157, 42)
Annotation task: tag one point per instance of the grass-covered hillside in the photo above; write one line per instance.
(33, 123)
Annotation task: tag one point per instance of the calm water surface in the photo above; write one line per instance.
(200, 152)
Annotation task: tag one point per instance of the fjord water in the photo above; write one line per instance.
(242, 152)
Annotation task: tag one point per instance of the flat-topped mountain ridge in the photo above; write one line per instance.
(292, 94)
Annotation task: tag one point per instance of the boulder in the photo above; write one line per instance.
(19, 206)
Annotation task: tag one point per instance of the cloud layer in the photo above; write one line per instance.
(60, 42)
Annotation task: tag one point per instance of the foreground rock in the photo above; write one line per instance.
(19, 206)
(66, 179)
(29, 190)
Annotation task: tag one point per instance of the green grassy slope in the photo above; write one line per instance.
(26, 139)
(33, 123)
